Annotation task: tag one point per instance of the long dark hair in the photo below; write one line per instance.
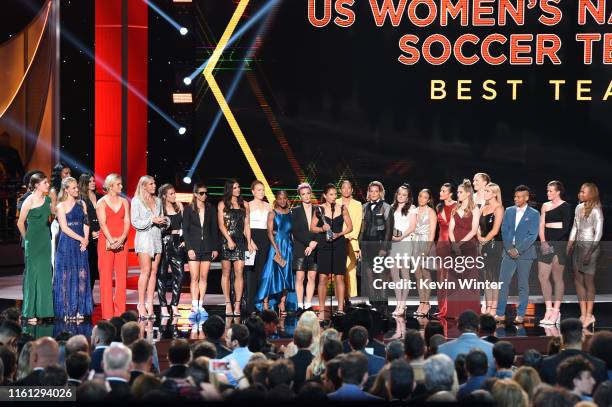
(56, 176)
(36, 179)
(440, 205)
(227, 196)
(163, 190)
(194, 200)
(84, 185)
(408, 203)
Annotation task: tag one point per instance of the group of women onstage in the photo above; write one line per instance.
(278, 253)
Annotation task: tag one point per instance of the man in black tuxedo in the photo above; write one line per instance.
(302, 338)
(213, 329)
(304, 247)
(142, 357)
(101, 338)
(179, 356)
(116, 362)
(45, 352)
(77, 366)
(572, 337)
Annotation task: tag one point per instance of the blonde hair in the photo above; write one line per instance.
(467, 188)
(309, 321)
(318, 364)
(110, 180)
(496, 191)
(594, 202)
(528, 378)
(63, 194)
(380, 187)
(140, 192)
(508, 393)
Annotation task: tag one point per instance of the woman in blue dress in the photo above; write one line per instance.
(277, 278)
(71, 288)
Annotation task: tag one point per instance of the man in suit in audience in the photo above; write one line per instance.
(353, 373)
(238, 340)
(130, 333)
(179, 356)
(468, 326)
(519, 229)
(476, 365)
(45, 352)
(116, 361)
(358, 339)
(213, 329)
(77, 343)
(77, 367)
(101, 337)
(487, 328)
(363, 317)
(302, 338)
(142, 357)
(572, 337)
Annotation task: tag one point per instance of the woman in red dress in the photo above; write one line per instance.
(464, 245)
(444, 209)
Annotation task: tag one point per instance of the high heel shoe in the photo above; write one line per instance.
(164, 311)
(399, 311)
(547, 321)
(236, 312)
(150, 311)
(588, 322)
(423, 314)
(142, 315)
(229, 313)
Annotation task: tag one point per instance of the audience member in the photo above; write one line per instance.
(353, 372)
(45, 352)
(554, 346)
(507, 393)
(9, 363)
(238, 340)
(311, 392)
(204, 348)
(468, 340)
(600, 346)
(145, 384)
(142, 358)
(331, 376)
(460, 368)
(548, 396)
(54, 375)
(476, 365)
(532, 358)
(302, 338)
(329, 339)
(440, 375)
(179, 356)
(528, 378)
(432, 328)
(358, 339)
(9, 332)
(77, 367)
(130, 316)
(572, 337)
(77, 343)
(603, 394)
(576, 374)
(394, 350)
(362, 317)
(213, 329)
(118, 323)
(486, 328)
(401, 382)
(280, 378)
(434, 343)
(130, 332)
(116, 362)
(101, 337)
(504, 355)
(270, 320)
(23, 362)
(91, 392)
(258, 340)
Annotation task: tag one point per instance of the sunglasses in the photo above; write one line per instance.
(202, 193)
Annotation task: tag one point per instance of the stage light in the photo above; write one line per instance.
(182, 98)
(182, 130)
(187, 180)
(183, 31)
(181, 1)
(187, 80)
(166, 17)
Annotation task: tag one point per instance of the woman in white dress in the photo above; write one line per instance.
(424, 236)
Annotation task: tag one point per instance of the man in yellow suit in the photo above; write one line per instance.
(352, 239)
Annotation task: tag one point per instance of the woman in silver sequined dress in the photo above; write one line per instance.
(584, 247)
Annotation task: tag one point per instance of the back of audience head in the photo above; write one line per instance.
(533, 358)
(600, 346)
(311, 391)
(302, 338)
(10, 314)
(77, 365)
(432, 328)
(257, 334)
(460, 368)
(332, 347)
(9, 362)
(54, 375)
(331, 377)
(394, 350)
(508, 393)
(23, 362)
(213, 328)
(603, 394)
(270, 320)
(204, 348)
(414, 345)
(439, 373)
(487, 325)
(238, 336)
(103, 333)
(412, 323)
(77, 343)
(179, 352)
(576, 374)
(548, 396)
(504, 354)
(116, 361)
(45, 352)
(256, 371)
(571, 332)
(142, 354)
(198, 371)
(478, 397)
(130, 332)
(9, 332)
(434, 343)
(91, 391)
(358, 337)
(401, 380)
(528, 378)
(130, 316)
(476, 363)
(354, 368)
(118, 323)
(468, 321)
(145, 384)
(554, 346)
(280, 372)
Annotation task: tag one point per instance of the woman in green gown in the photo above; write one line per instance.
(37, 277)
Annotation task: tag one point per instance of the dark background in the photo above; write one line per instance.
(348, 108)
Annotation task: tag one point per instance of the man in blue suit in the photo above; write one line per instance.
(468, 326)
(354, 373)
(358, 339)
(519, 232)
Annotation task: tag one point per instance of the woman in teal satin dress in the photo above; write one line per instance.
(277, 280)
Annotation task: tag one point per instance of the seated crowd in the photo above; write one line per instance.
(119, 364)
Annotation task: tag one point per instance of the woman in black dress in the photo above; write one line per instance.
(87, 190)
(328, 223)
(233, 218)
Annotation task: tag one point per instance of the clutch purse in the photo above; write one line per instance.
(279, 260)
(249, 258)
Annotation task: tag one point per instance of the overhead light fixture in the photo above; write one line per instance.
(181, 1)
(182, 130)
(182, 98)
(183, 30)
(187, 80)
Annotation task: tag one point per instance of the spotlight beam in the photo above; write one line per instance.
(230, 93)
(162, 14)
(247, 26)
(208, 74)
